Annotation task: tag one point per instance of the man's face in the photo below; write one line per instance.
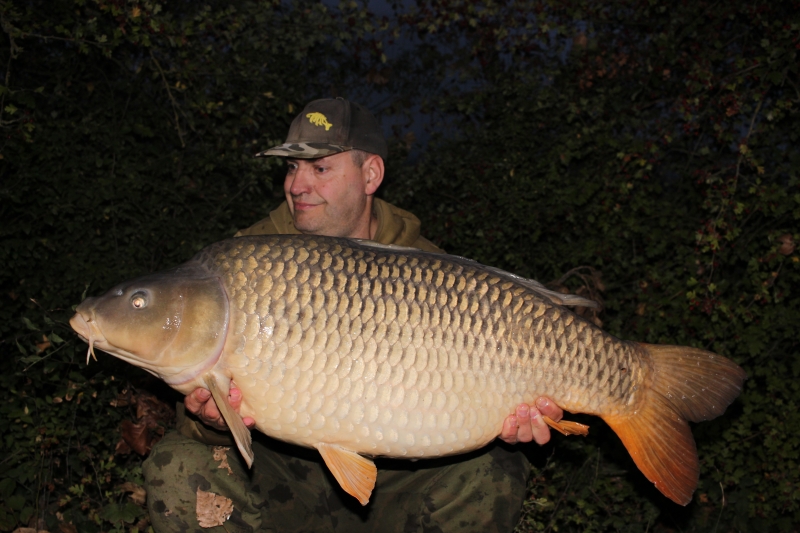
(328, 196)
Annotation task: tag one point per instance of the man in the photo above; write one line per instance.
(335, 154)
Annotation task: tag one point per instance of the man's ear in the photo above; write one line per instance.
(372, 170)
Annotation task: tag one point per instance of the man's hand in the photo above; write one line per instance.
(526, 424)
(200, 403)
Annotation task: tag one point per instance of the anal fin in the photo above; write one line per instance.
(240, 432)
(565, 427)
(355, 474)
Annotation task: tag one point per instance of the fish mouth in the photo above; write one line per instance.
(87, 333)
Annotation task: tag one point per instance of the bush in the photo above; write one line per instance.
(641, 152)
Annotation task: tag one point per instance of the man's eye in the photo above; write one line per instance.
(321, 169)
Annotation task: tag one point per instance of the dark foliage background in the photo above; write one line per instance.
(644, 152)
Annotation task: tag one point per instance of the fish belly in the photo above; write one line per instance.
(402, 354)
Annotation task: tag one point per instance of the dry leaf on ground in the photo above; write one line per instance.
(152, 417)
(221, 455)
(138, 494)
(212, 509)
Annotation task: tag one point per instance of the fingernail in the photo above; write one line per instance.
(523, 411)
(541, 403)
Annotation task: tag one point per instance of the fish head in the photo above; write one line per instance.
(171, 323)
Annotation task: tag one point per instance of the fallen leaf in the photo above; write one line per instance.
(787, 244)
(138, 494)
(212, 509)
(135, 435)
(221, 455)
(42, 346)
(152, 417)
(122, 448)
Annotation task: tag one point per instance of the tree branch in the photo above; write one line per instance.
(172, 99)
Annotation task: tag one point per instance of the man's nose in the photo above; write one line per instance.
(299, 181)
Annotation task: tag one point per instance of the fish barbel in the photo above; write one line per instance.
(359, 350)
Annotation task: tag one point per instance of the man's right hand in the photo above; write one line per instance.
(200, 403)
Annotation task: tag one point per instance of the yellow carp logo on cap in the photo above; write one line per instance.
(318, 119)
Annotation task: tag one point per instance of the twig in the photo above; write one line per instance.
(66, 343)
(575, 270)
(563, 495)
(722, 507)
(172, 99)
(602, 504)
(746, 138)
(735, 183)
(65, 39)
(14, 50)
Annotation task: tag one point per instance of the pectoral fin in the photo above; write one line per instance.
(565, 427)
(355, 474)
(240, 432)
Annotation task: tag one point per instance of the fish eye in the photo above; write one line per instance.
(139, 300)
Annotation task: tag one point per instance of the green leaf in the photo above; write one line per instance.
(16, 502)
(121, 512)
(7, 520)
(26, 514)
(21, 349)
(7, 486)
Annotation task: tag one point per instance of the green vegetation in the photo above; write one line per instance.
(652, 144)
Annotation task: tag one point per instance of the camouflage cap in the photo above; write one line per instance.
(330, 126)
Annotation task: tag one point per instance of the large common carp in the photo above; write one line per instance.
(360, 350)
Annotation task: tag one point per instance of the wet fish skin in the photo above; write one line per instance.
(358, 338)
(357, 348)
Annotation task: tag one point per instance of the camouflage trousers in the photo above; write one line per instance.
(289, 489)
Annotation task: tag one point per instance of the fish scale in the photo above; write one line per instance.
(360, 350)
(472, 320)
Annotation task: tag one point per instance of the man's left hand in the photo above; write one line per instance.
(526, 423)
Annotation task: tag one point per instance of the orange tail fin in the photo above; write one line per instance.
(685, 384)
